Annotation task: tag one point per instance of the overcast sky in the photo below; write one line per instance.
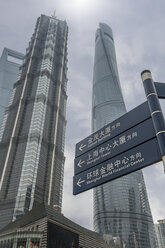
(139, 34)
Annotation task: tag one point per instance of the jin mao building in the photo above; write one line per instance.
(121, 207)
(33, 129)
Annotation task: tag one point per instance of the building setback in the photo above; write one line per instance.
(160, 233)
(33, 129)
(121, 207)
(10, 62)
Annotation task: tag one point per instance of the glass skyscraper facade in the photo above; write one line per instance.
(33, 129)
(121, 207)
(160, 233)
(10, 62)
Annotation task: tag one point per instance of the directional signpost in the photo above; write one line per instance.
(114, 146)
(127, 162)
(132, 142)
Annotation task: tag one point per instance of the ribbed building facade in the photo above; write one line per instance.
(121, 207)
(33, 129)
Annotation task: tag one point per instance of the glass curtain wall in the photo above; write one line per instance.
(121, 207)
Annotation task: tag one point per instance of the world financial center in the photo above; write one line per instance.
(33, 129)
(121, 207)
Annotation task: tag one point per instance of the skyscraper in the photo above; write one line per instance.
(160, 233)
(10, 62)
(121, 207)
(33, 129)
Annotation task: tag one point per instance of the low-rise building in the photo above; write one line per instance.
(44, 227)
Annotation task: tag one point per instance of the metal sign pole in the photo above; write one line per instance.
(155, 110)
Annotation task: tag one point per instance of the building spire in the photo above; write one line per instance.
(54, 14)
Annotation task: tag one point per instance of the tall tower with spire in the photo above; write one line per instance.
(121, 207)
(10, 62)
(33, 129)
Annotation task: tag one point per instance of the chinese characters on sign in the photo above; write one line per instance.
(125, 163)
(114, 146)
(113, 129)
(117, 165)
(106, 149)
(103, 134)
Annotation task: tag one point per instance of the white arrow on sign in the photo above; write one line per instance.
(81, 147)
(79, 182)
(80, 163)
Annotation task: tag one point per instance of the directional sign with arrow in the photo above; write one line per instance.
(80, 182)
(135, 116)
(125, 163)
(123, 142)
(80, 163)
(81, 147)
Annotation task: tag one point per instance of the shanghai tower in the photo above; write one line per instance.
(33, 129)
(121, 207)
